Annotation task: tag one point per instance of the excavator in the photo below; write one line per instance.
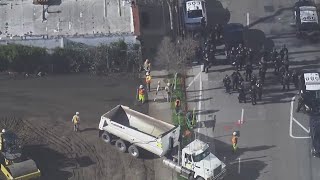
(13, 165)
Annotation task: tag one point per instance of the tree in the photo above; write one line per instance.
(176, 55)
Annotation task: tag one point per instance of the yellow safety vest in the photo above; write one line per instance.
(75, 119)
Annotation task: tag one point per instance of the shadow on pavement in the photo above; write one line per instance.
(263, 19)
(200, 100)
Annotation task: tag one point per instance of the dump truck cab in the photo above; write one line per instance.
(197, 157)
(311, 92)
(306, 19)
(195, 16)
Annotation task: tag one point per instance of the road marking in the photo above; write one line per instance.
(292, 119)
(193, 80)
(239, 167)
(242, 114)
(199, 104)
(305, 129)
(248, 19)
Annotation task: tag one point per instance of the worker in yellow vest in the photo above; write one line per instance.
(148, 80)
(76, 122)
(141, 94)
(234, 141)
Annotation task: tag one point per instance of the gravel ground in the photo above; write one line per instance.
(42, 108)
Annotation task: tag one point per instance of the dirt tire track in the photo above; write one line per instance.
(81, 145)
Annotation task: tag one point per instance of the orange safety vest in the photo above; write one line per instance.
(234, 140)
(141, 91)
(177, 103)
(148, 79)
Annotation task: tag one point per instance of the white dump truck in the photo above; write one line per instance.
(135, 130)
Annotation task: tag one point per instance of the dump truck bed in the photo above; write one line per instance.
(142, 130)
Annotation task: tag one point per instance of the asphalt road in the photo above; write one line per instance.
(272, 144)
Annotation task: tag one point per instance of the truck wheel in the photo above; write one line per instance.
(200, 178)
(134, 151)
(106, 137)
(121, 145)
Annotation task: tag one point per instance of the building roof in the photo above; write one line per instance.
(69, 18)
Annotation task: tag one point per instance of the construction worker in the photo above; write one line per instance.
(147, 65)
(168, 91)
(234, 141)
(141, 93)
(157, 91)
(2, 139)
(76, 122)
(177, 105)
(148, 80)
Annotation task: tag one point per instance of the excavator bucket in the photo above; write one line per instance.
(21, 171)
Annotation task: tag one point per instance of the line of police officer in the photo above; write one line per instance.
(279, 60)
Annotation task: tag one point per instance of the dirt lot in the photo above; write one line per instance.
(43, 108)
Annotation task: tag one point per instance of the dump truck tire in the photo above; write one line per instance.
(200, 178)
(134, 151)
(106, 137)
(121, 145)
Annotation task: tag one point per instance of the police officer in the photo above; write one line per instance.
(295, 79)
(248, 71)
(253, 94)
(227, 82)
(235, 80)
(253, 80)
(249, 56)
(242, 95)
(301, 101)
(286, 63)
(274, 54)
(262, 74)
(286, 81)
(259, 89)
(232, 55)
(206, 64)
(284, 51)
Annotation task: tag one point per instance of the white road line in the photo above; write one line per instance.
(199, 103)
(305, 129)
(242, 114)
(239, 167)
(193, 80)
(292, 119)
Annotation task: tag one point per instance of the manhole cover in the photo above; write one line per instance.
(268, 8)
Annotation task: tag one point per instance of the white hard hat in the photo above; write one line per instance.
(234, 133)
(147, 73)
(77, 113)
(168, 84)
(158, 82)
(3, 130)
(141, 86)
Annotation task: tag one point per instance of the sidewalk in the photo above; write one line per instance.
(160, 109)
